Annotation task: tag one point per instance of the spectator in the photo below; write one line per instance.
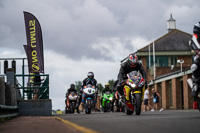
(37, 83)
(146, 99)
(156, 97)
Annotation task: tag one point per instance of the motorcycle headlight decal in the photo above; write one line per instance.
(133, 85)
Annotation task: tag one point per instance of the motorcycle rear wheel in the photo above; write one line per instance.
(127, 111)
(138, 104)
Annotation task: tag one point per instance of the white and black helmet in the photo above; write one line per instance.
(195, 42)
(90, 75)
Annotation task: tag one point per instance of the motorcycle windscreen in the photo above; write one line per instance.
(107, 93)
(135, 76)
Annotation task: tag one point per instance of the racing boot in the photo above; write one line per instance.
(77, 109)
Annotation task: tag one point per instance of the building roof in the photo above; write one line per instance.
(175, 40)
(171, 18)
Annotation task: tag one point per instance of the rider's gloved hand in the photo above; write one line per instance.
(122, 82)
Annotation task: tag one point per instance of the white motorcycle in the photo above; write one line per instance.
(88, 98)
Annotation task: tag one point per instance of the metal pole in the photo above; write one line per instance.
(23, 77)
(154, 60)
(149, 57)
(181, 67)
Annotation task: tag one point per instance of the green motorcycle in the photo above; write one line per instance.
(107, 101)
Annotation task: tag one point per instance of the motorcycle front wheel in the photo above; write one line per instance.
(138, 104)
(88, 110)
(108, 107)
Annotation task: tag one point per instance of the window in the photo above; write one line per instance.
(162, 61)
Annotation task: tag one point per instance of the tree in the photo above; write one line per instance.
(111, 83)
(100, 86)
(78, 86)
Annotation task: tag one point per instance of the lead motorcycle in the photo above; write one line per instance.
(88, 95)
(133, 93)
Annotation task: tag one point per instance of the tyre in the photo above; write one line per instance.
(72, 111)
(198, 102)
(127, 111)
(88, 110)
(138, 103)
(108, 108)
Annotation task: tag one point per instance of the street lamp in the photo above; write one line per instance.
(181, 62)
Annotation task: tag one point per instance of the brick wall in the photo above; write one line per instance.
(188, 99)
(165, 70)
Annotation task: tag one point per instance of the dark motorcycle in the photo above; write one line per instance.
(71, 102)
(118, 104)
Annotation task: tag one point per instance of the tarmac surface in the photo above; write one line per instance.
(36, 124)
(170, 121)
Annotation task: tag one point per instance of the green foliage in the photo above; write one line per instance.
(100, 86)
(78, 86)
(111, 83)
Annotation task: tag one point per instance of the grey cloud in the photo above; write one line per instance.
(72, 27)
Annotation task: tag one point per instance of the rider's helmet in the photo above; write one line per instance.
(195, 43)
(72, 86)
(90, 75)
(132, 60)
(106, 86)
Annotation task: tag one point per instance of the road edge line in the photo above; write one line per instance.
(77, 127)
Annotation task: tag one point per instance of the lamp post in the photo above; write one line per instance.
(181, 62)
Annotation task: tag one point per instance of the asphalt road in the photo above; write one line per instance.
(170, 121)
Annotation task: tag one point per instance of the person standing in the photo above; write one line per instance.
(156, 96)
(146, 99)
(37, 83)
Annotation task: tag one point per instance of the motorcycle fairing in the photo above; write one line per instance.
(137, 92)
(106, 98)
(127, 92)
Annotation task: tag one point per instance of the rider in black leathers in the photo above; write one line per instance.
(130, 65)
(195, 45)
(106, 89)
(90, 80)
(71, 89)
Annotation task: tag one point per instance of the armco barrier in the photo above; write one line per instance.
(7, 112)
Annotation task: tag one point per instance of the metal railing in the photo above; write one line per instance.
(27, 92)
(7, 112)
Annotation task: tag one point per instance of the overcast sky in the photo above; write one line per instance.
(89, 35)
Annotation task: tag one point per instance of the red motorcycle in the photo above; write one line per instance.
(133, 93)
